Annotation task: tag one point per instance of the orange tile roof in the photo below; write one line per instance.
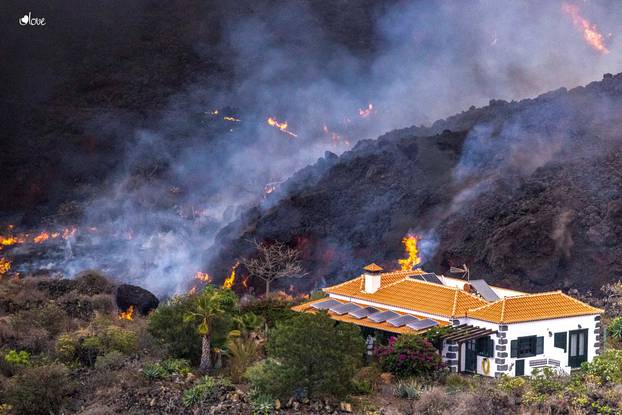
(306, 307)
(373, 267)
(398, 290)
(532, 307)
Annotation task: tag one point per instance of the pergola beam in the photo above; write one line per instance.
(473, 335)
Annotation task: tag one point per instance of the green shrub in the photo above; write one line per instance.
(614, 328)
(66, 346)
(606, 367)
(242, 352)
(166, 368)
(50, 318)
(546, 381)
(512, 384)
(110, 361)
(314, 354)
(17, 358)
(408, 389)
(154, 371)
(365, 380)
(409, 355)
(457, 382)
(204, 391)
(85, 350)
(273, 309)
(120, 339)
(103, 303)
(266, 378)
(176, 366)
(168, 326)
(39, 390)
(261, 403)
(13, 361)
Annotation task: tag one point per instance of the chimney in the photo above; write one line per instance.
(372, 277)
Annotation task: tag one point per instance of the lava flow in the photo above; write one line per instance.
(5, 266)
(591, 35)
(410, 244)
(280, 125)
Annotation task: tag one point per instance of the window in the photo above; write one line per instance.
(561, 340)
(527, 346)
(484, 346)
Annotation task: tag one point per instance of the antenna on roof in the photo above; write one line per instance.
(464, 271)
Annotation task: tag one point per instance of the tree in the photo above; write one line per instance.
(311, 352)
(211, 305)
(274, 261)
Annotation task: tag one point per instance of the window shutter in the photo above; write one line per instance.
(514, 348)
(491, 348)
(540, 345)
(561, 340)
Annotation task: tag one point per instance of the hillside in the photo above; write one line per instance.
(528, 194)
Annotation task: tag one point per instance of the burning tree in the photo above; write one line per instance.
(274, 261)
(212, 304)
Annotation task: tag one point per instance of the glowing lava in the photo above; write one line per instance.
(42, 237)
(8, 240)
(127, 314)
(410, 244)
(5, 266)
(231, 279)
(366, 112)
(590, 33)
(280, 125)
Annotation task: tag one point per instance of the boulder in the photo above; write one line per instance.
(131, 295)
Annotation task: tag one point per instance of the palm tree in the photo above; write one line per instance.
(212, 304)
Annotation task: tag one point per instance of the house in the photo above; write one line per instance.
(495, 330)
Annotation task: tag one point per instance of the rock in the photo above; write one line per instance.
(277, 404)
(345, 407)
(132, 295)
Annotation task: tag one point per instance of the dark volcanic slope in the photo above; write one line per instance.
(529, 194)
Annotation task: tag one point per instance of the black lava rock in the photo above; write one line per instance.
(132, 295)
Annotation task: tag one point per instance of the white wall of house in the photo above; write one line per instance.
(503, 363)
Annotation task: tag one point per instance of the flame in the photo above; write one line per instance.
(202, 276)
(245, 282)
(192, 290)
(233, 119)
(410, 244)
(590, 33)
(127, 314)
(280, 125)
(42, 237)
(366, 112)
(334, 137)
(8, 240)
(5, 266)
(231, 279)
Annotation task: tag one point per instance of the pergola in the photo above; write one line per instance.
(465, 332)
